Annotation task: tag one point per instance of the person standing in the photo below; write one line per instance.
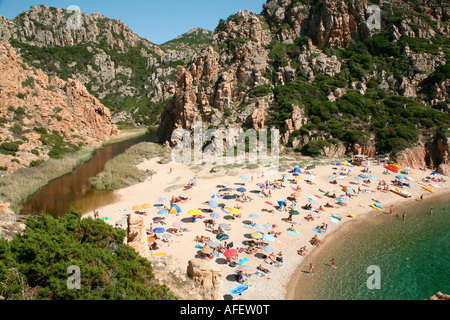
(392, 209)
(431, 211)
(311, 268)
(404, 216)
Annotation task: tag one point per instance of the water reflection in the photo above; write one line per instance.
(73, 190)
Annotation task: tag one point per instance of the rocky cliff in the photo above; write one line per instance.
(324, 75)
(44, 116)
(129, 74)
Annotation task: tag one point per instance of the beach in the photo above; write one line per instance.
(172, 179)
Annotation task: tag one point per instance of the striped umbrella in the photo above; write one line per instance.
(257, 235)
(215, 196)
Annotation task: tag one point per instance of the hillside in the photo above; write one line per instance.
(127, 73)
(44, 117)
(331, 83)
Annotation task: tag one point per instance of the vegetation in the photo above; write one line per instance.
(121, 172)
(34, 265)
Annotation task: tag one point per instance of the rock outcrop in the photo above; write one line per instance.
(208, 280)
(31, 100)
(137, 235)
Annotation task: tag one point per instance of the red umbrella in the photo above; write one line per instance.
(230, 253)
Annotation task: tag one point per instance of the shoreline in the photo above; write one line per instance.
(294, 290)
(277, 285)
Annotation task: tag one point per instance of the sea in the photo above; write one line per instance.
(383, 257)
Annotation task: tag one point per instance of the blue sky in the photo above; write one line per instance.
(157, 20)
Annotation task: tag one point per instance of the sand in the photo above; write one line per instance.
(276, 284)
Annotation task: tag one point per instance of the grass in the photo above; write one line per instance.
(20, 185)
(122, 171)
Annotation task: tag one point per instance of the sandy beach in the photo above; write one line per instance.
(317, 190)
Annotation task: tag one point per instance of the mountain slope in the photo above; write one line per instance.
(331, 84)
(44, 116)
(129, 74)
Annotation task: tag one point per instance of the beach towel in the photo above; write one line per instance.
(317, 196)
(159, 254)
(198, 246)
(295, 233)
(242, 261)
(317, 230)
(334, 219)
(269, 203)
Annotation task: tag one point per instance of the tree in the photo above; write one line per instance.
(109, 269)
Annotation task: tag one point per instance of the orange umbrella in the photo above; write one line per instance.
(150, 239)
(146, 206)
(137, 208)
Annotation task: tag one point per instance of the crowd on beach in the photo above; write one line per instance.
(255, 254)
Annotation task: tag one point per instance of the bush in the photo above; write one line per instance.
(109, 268)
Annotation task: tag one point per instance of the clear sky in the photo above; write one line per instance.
(157, 20)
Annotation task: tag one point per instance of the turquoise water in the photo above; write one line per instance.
(413, 256)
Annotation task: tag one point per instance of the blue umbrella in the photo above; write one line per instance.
(213, 204)
(215, 196)
(435, 173)
(176, 207)
(297, 170)
(372, 176)
(269, 237)
(339, 164)
(228, 197)
(162, 212)
(260, 227)
(311, 177)
(254, 216)
(215, 215)
(241, 189)
(350, 191)
(358, 178)
(159, 230)
(244, 178)
(239, 289)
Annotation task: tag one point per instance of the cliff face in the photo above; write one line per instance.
(34, 106)
(242, 79)
(120, 68)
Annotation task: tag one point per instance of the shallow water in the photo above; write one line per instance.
(413, 256)
(73, 190)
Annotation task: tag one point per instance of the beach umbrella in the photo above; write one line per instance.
(261, 185)
(215, 196)
(195, 212)
(146, 206)
(311, 177)
(254, 216)
(222, 237)
(409, 178)
(224, 225)
(260, 227)
(230, 253)
(225, 189)
(177, 224)
(163, 199)
(206, 249)
(295, 174)
(339, 164)
(162, 212)
(268, 249)
(159, 230)
(281, 202)
(166, 236)
(175, 209)
(215, 215)
(122, 221)
(362, 175)
(244, 178)
(213, 204)
(435, 173)
(246, 268)
(239, 289)
(257, 235)
(137, 208)
(213, 244)
(372, 176)
(294, 212)
(407, 168)
(269, 237)
(350, 191)
(241, 189)
(235, 211)
(314, 215)
(228, 197)
(150, 239)
(297, 170)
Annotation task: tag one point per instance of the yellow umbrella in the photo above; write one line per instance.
(137, 208)
(235, 211)
(257, 235)
(195, 212)
(146, 206)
